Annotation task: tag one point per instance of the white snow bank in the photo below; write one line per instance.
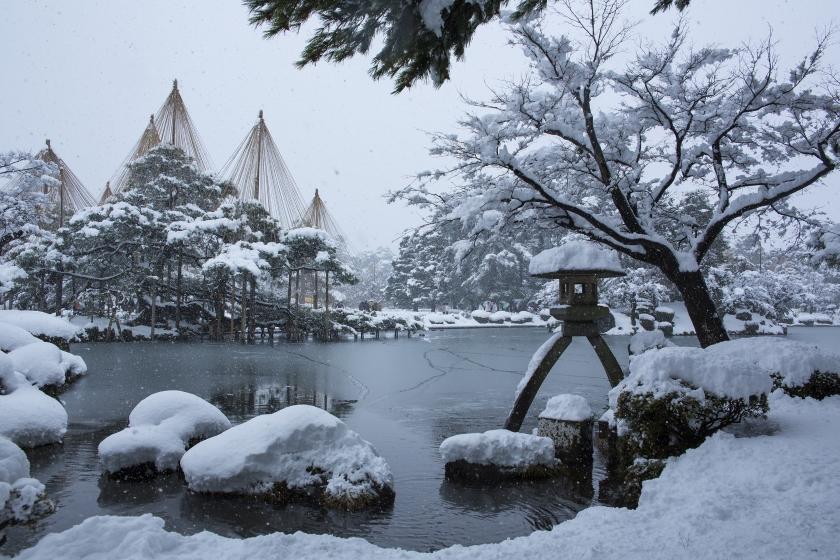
(772, 497)
(572, 408)
(736, 369)
(159, 429)
(18, 492)
(283, 448)
(28, 417)
(578, 255)
(501, 448)
(39, 323)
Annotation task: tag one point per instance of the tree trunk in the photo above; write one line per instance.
(243, 308)
(252, 315)
(59, 291)
(153, 312)
(701, 309)
(220, 308)
(178, 289)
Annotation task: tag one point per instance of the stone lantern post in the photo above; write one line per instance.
(577, 266)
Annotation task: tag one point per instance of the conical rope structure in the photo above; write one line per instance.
(258, 172)
(317, 216)
(171, 124)
(71, 195)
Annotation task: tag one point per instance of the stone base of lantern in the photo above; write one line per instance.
(572, 442)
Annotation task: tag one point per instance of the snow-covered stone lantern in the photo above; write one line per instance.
(577, 265)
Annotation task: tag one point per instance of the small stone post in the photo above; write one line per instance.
(567, 420)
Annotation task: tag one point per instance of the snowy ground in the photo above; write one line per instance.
(683, 326)
(771, 496)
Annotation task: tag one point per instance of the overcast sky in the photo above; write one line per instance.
(87, 74)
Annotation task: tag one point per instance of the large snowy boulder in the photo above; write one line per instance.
(28, 417)
(498, 454)
(21, 497)
(160, 428)
(298, 452)
(43, 363)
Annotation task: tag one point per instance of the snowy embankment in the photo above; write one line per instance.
(40, 324)
(771, 497)
(684, 327)
(435, 320)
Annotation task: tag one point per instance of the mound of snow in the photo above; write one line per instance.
(501, 448)
(572, 408)
(160, 428)
(39, 323)
(643, 341)
(28, 417)
(12, 337)
(19, 494)
(578, 255)
(44, 363)
(300, 446)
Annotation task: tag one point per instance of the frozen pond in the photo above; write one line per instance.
(405, 396)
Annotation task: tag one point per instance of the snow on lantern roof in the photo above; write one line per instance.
(574, 258)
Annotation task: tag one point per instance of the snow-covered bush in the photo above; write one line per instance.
(22, 498)
(300, 452)
(160, 428)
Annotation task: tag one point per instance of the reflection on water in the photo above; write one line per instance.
(405, 396)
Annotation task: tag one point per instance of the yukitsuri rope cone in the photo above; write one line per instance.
(171, 124)
(317, 216)
(258, 172)
(70, 195)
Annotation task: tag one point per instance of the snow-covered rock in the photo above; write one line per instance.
(578, 255)
(500, 448)
(45, 364)
(643, 341)
(21, 497)
(28, 417)
(572, 408)
(39, 323)
(160, 428)
(291, 451)
(13, 337)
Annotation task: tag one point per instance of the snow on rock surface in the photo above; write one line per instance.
(159, 430)
(773, 497)
(576, 255)
(39, 323)
(501, 448)
(643, 341)
(18, 492)
(572, 408)
(299, 446)
(44, 363)
(13, 337)
(28, 417)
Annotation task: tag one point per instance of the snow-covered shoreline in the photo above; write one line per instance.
(772, 496)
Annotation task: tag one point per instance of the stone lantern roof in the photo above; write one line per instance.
(576, 258)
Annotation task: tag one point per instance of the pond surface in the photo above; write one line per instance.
(405, 396)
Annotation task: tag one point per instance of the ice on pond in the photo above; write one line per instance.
(295, 449)
(160, 428)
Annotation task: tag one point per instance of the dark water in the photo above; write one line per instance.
(405, 396)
